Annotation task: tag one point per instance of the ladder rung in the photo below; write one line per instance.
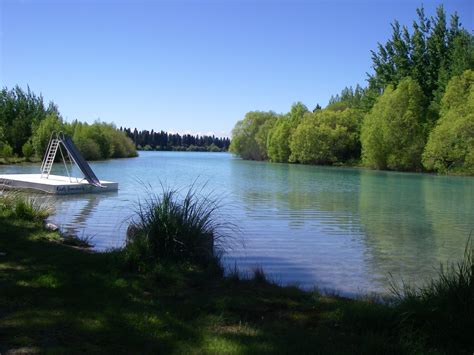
(48, 161)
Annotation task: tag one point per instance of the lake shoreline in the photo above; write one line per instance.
(22, 160)
(303, 225)
(357, 166)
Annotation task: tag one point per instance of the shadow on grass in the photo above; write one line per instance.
(57, 298)
(54, 297)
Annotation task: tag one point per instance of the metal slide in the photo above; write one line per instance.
(80, 161)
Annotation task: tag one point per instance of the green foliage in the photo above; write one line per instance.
(432, 54)
(214, 148)
(173, 229)
(27, 150)
(122, 146)
(101, 141)
(113, 142)
(279, 141)
(194, 148)
(6, 151)
(86, 145)
(402, 102)
(326, 137)
(349, 98)
(20, 112)
(393, 133)
(262, 136)
(98, 133)
(26, 127)
(17, 205)
(296, 114)
(450, 146)
(249, 135)
(51, 123)
(173, 141)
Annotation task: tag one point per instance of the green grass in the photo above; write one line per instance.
(56, 298)
(15, 204)
(18, 160)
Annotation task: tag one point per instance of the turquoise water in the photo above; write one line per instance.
(339, 229)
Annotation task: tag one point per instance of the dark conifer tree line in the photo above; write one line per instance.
(151, 140)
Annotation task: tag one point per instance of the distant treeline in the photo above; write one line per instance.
(26, 124)
(146, 140)
(415, 114)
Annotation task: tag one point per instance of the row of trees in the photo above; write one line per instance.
(147, 140)
(324, 136)
(415, 114)
(26, 125)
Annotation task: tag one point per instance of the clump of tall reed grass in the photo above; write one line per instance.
(441, 311)
(177, 228)
(18, 205)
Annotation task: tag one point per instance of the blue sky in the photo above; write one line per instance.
(194, 66)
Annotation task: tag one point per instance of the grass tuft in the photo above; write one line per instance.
(443, 309)
(259, 275)
(83, 241)
(170, 227)
(18, 205)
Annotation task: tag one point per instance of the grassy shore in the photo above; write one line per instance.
(60, 299)
(18, 160)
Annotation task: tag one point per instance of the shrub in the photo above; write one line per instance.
(122, 146)
(88, 147)
(27, 150)
(6, 151)
(170, 228)
(393, 133)
(42, 134)
(101, 141)
(450, 146)
(279, 136)
(278, 144)
(249, 135)
(214, 148)
(327, 137)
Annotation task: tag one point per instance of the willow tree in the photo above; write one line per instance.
(327, 137)
(246, 140)
(393, 133)
(278, 144)
(42, 134)
(450, 146)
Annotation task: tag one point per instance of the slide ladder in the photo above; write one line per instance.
(49, 157)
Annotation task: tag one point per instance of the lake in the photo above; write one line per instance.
(340, 229)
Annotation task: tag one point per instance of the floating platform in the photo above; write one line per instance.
(54, 184)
